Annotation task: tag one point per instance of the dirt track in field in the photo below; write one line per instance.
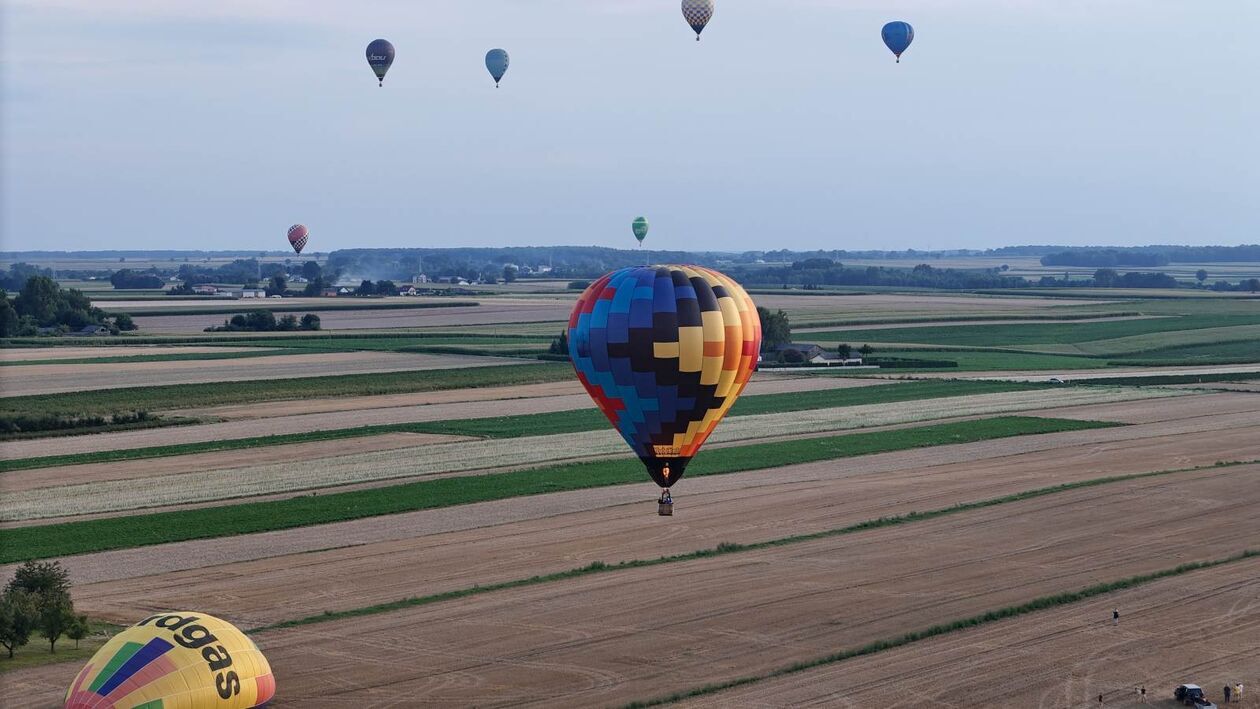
(26, 354)
(965, 323)
(56, 378)
(556, 532)
(426, 406)
(1064, 657)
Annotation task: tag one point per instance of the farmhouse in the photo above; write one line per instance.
(814, 354)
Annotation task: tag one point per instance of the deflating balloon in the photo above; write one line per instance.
(380, 54)
(298, 234)
(497, 64)
(898, 36)
(697, 13)
(664, 351)
(180, 659)
(640, 227)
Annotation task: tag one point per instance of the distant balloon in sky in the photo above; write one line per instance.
(380, 54)
(640, 227)
(298, 235)
(497, 64)
(697, 13)
(898, 36)
(180, 659)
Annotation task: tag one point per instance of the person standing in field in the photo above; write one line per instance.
(1228, 690)
(1238, 691)
(1115, 616)
(1143, 690)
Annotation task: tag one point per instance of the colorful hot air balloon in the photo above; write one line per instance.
(180, 659)
(298, 235)
(664, 351)
(898, 36)
(697, 13)
(640, 227)
(497, 64)
(380, 54)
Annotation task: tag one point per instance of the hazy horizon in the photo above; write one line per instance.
(150, 125)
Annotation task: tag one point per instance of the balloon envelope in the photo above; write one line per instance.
(898, 36)
(380, 54)
(664, 351)
(640, 228)
(697, 13)
(180, 659)
(497, 64)
(298, 235)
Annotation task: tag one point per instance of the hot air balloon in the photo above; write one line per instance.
(640, 227)
(898, 36)
(664, 351)
(497, 64)
(298, 235)
(380, 54)
(697, 13)
(180, 659)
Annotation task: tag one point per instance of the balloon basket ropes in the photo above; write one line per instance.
(665, 509)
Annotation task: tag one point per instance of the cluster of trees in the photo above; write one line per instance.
(244, 271)
(37, 599)
(42, 303)
(127, 278)
(1108, 278)
(266, 321)
(776, 329)
(382, 287)
(1101, 258)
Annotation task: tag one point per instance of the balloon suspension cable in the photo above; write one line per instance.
(380, 83)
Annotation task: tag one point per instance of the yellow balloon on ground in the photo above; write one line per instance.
(177, 660)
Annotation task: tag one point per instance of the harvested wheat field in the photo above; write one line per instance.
(487, 311)
(642, 632)
(441, 550)
(54, 378)
(806, 309)
(1063, 657)
(29, 354)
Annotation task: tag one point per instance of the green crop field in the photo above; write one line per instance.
(54, 540)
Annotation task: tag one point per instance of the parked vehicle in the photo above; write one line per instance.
(1192, 695)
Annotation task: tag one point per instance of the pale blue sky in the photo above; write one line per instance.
(216, 125)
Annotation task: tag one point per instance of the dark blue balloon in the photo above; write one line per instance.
(380, 54)
(898, 36)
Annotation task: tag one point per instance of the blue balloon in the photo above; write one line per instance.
(497, 63)
(380, 54)
(898, 36)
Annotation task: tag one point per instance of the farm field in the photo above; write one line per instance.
(339, 495)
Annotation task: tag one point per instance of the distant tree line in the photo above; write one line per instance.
(818, 272)
(266, 321)
(1099, 258)
(127, 278)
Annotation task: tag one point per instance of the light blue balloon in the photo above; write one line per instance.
(898, 36)
(497, 63)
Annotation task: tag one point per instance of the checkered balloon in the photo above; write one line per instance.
(298, 234)
(664, 351)
(697, 13)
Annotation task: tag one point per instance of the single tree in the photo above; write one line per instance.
(56, 616)
(8, 317)
(386, 288)
(366, 288)
(17, 619)
(1201, 276)
(277, 285)
(287, 323)
(866, 350)
(310, 321)
(123, 322)
(844, 350)
(41, 578)
(560, 345)
(311, 270)
(1251, 284)
(509, 273)
(78, 629)
(775, 329)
